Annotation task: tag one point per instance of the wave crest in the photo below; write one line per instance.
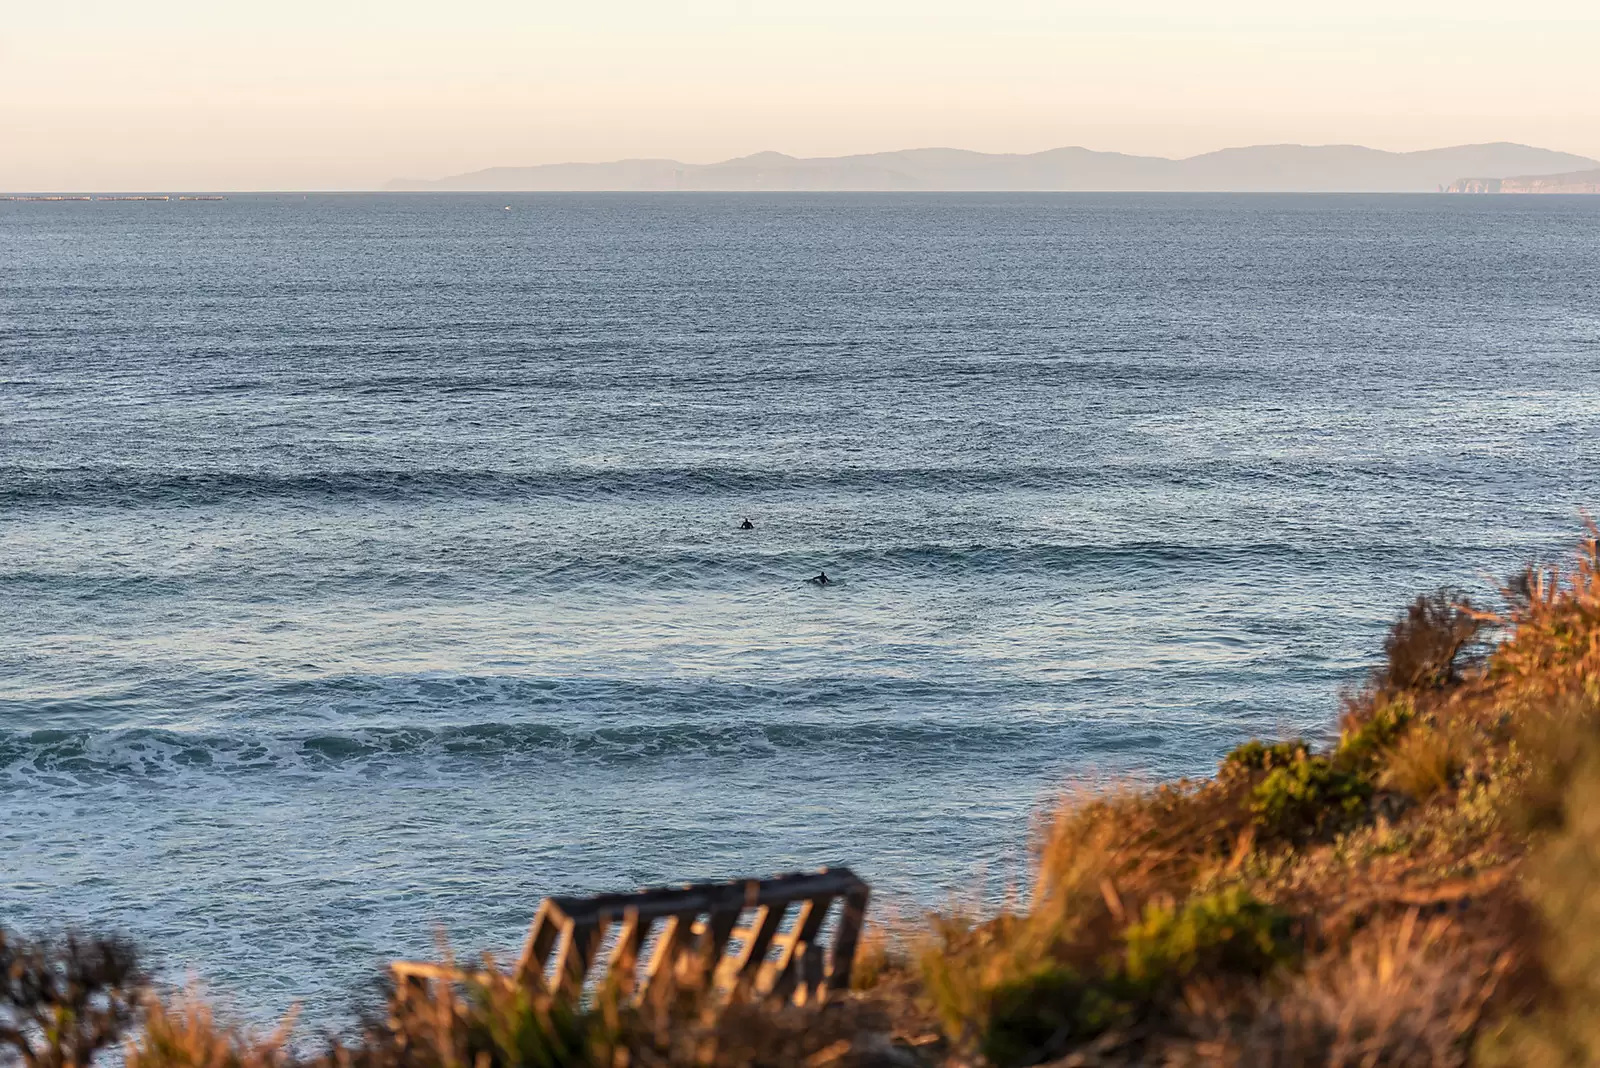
(80, 755)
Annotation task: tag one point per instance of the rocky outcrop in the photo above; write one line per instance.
(1573, 182)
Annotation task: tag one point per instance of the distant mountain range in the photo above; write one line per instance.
(1260, 168)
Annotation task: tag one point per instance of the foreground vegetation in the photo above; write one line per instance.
(1421, 892)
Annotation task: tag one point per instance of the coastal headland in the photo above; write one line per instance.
(1585, 182)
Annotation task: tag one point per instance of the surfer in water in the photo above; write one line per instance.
(747, 525)
(822, 579)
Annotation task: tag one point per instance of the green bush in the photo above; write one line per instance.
(1228, 931)
(1358, 745)
(1034, 1012)
(518, 1029)
(1307, 798)
(1034, 1015)
(1255, 756)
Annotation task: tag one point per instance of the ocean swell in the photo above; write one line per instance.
(138, 487)
(84, 756)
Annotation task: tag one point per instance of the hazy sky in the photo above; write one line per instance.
(224, 94)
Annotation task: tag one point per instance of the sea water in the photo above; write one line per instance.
(370, 565)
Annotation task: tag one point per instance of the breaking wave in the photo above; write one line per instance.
(67, 756)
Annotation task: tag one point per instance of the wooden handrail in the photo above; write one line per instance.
(697, 924)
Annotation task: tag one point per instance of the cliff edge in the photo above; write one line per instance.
(1571, 182)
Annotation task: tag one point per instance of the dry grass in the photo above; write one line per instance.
(1425, 646)
(482, 1019)
(487, 1019)
(1424, 763)
(1403, 993)
(185, 1033)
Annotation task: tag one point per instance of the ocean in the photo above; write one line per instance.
(370, 566)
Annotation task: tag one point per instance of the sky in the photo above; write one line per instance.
(103, 95)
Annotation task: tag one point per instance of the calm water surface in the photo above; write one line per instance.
(370, 563)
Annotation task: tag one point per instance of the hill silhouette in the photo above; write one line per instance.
(1258, 168)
